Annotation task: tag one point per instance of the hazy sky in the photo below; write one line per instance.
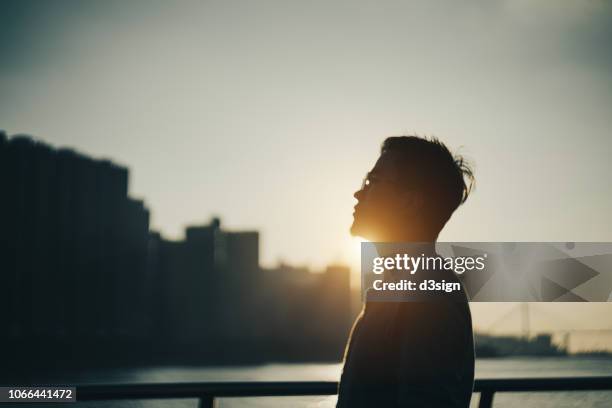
(269, 113)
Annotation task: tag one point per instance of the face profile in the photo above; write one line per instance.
(380, 201)
(411, 192)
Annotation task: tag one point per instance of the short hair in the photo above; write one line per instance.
(426, 164)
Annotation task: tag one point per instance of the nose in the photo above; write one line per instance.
(358, 194)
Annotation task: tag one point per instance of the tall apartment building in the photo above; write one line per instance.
(74, 245)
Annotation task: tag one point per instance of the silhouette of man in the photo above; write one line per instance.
(406, 353)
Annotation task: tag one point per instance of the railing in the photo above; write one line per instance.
(206, 393)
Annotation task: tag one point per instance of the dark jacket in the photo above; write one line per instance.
(409, 354)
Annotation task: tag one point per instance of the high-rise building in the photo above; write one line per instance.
(74, 244)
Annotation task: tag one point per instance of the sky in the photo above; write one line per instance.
(269, 113)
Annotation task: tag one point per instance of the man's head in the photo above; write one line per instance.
(411, 192)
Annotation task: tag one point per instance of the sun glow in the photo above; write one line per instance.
(354, 259)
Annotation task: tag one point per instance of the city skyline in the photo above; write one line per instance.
(81, 268)
(587, 330)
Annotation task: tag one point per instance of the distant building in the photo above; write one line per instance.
(309, 314)
(209, 286)
(496, 346)
(74, 245)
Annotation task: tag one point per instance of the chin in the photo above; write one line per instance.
(355, 230)
(358, 231)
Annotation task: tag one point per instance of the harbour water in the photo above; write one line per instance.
(485, 368)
